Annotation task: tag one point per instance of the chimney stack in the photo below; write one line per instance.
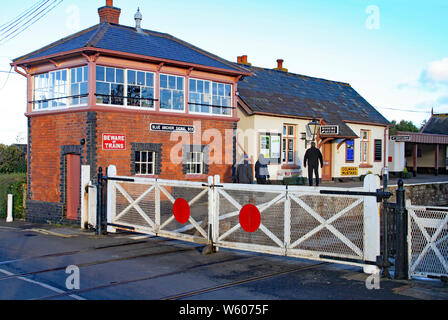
(243, 60)
(109, 13)
(280, 66)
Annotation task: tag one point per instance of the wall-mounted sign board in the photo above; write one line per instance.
(171, 128)
(329, 130)
(400, 138)
(114, 141)
(349, 171)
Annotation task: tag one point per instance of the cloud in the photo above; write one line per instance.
(435, 74)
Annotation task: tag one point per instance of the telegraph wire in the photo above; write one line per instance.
(16, 25)
(55, 4)
(7, 24)
(4, 84)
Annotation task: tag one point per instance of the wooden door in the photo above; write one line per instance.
(73, 186)
(327, 154)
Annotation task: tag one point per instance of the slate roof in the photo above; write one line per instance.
(127, 40)
(437, 124)
(287, 94)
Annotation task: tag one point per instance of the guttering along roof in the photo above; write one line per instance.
(279, 93)
(122, 39)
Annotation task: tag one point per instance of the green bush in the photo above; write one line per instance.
(294, 180)
(12, 184)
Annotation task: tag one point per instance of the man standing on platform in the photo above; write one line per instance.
(312, 158)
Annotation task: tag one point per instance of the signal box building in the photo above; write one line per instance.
(123, 96)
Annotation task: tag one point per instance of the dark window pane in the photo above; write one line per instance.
(117, 91)
(84, 88)
(178, 98)
(133, 95)
(79, 76)
(150, 80)
(132, 77)
(143, 168)
(119, 76)
(144, 156)
(99, 73)
(86, 74)
(141, 78)
(172, 82)
(192, 85)
(137, 156)
(180, 83)
(147, 93)
(110, 74)
(163, 81)
(73, 76)
(165, 99)
(138, 168)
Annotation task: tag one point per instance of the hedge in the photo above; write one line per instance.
(14, 184)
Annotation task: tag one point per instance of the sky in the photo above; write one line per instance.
(394, 53)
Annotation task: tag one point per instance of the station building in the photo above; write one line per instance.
(116, 95)
(276, 107)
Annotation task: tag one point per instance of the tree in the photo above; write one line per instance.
(12, 159)
(403, 125)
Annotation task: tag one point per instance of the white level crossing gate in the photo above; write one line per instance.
(326, 224)
(428, 241)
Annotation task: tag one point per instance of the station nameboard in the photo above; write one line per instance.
(171, 128)
(349, 171)
(114, 141)
(329, 130)
(400, 138)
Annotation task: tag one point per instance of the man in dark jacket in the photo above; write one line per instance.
(312, 158)
(244, 172)
(261, 170)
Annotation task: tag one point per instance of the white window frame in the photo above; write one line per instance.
(285, 147)
(67, 89)
(364, 147)
(191, 162)
(211, 107)
(149, 164)
(145, 86)
(105, 77)
(160, 93)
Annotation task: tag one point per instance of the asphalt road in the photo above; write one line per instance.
(34, 261)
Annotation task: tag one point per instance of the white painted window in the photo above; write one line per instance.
(172, 93)
(145, 162)
(60, 89)
(194, 162)
(210, 97)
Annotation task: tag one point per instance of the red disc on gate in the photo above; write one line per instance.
(181, 210)
(250, 218)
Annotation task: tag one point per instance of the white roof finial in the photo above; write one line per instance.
(138, 20)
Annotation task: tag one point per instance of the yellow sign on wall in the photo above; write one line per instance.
(349, 171)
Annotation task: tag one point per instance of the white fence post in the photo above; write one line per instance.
(111, 197)
(287, 221)
(211, 211)
(157, 206)
(371, 224)
(85, 179)
(9, 217)
(217, 181)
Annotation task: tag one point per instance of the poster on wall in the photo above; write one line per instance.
(270, 146)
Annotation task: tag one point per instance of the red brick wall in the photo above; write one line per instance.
(136, 127)
(47, 135)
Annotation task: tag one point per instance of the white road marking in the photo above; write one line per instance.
(46, 286)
